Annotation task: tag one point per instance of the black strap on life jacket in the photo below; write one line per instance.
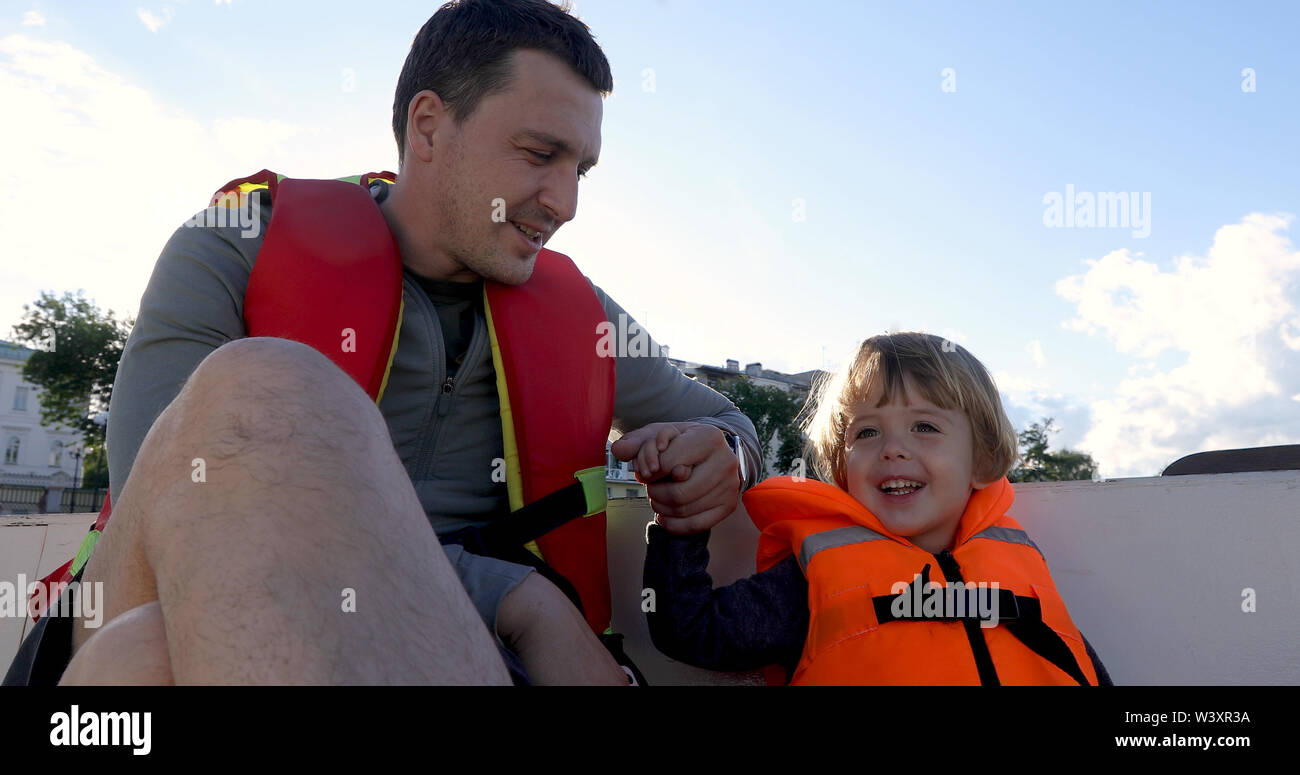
(1032, 631)
(471, 538)
(1003, 601)
(536, 519)
(1021, 615)
(974, 633)
(505, 538)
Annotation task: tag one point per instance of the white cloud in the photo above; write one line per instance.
(1035, 350)
(33, 19)
(108, 172)
(1231, 313)
(1021, 387)
(154, 23)
(1027, 400)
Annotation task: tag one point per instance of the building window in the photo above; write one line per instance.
(56, 454)
(20, 398)
(11, 450)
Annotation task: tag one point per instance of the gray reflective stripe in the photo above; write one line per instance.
(840, 536)
(1010, 535)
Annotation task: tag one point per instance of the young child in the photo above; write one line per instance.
(903, 567)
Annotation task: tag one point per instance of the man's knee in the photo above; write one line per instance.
(131, 649)
(262, 405)
(271, 389)
(279, 369)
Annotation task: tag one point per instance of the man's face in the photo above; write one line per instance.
(900, 446)
(516, 161)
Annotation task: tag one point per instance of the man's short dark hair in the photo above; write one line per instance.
(463, 53)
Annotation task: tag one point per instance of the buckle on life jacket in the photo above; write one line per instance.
(593, 489)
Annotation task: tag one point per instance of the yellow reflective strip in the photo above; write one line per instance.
(535, 549)
(238, 196)
(392, 353)
(514, 481)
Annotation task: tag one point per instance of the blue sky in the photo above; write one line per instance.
(921, 190)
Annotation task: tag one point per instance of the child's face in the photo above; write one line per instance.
(918, 442)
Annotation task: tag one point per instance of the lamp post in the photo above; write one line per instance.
(76, 473)
(100, 419)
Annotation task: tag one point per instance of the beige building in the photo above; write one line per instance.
(800, 383)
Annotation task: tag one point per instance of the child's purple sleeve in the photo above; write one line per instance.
(758, 621)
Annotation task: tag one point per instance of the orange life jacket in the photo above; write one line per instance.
(881, 612)
(328, 274)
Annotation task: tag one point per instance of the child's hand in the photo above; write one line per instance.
(646, 460)
(691, 474)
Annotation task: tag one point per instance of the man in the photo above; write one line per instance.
(309, 491)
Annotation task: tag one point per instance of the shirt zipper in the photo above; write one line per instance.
(438, 364)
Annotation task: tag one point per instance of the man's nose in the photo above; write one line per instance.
(560, 195)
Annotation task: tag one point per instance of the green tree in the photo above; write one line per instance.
(1037, 464)
(77, 349)
(774, 413)
(96, 468)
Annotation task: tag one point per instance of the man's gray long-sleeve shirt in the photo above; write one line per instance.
(447, 436)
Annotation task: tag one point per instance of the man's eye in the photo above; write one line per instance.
(540, 155)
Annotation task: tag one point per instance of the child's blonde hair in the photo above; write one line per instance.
(947, 375)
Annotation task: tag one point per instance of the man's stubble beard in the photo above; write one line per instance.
(473, 236)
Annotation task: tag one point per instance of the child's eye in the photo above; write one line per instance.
(861, 434)
(926, 425)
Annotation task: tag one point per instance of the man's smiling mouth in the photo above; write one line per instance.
(530, 233)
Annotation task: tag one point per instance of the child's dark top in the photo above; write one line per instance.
(755, 622)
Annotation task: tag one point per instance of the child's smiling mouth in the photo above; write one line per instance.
(900, 488)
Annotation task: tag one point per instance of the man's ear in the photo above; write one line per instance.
(425, 115)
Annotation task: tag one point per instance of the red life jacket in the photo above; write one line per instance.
(329, 275)
(885, 611)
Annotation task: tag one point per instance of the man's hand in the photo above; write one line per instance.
(537, 622)
(691, 475)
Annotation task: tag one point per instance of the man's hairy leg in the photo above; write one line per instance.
(131, 649)
(266, 498)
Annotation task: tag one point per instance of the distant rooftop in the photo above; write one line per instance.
(14, 352)
(802, 381)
